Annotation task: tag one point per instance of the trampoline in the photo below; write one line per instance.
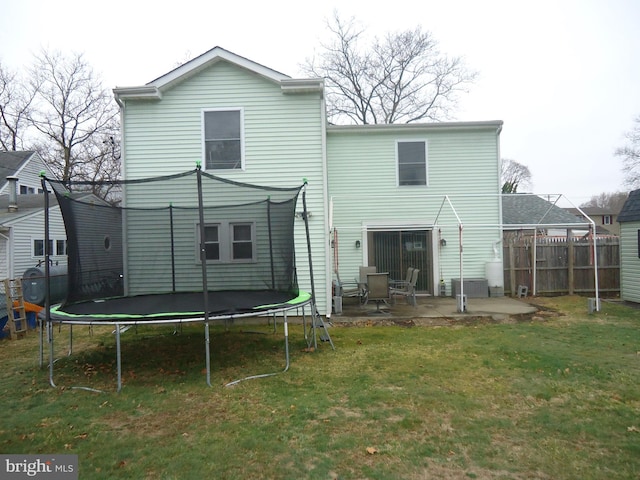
(140, 258)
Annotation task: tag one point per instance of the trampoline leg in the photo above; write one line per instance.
(304, 325)
(286, 342)
(41, 340)
(118, 358)
(70, 340)
(207, 354)
(50, 341)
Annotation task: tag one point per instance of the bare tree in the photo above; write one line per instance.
(630, 154)
(514, 175)
(15, 103)
(610, 201)
(73, 113)
(401, 78)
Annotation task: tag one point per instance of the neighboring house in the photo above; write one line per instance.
(527, 212)
(22, 215)
(26, 166)
(22, 234)
(629, 219)
(394, 196)
(606, 220)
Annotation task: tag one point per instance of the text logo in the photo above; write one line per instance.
(50, 467)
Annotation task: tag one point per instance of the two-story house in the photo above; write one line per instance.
(606, 219)
(393, 196)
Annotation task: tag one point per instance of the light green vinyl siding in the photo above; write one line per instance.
(629, 262)
(461, 165)
(283, 144)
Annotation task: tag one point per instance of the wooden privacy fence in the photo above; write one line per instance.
(563, 265)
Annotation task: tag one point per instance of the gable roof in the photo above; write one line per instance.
(11, 163)
(27, 205)
(154, 89)
(631, 209)
(528, 210)
(592, 211)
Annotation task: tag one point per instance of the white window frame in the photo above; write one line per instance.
(241, 166)
(53, 245)
(226, 241)
(219, 242)
(607, 220)
(233, 241)
(426, 161)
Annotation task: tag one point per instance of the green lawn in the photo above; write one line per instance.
(553, 397)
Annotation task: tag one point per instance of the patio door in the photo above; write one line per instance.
(395, 251)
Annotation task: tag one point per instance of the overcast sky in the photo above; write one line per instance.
(563, 75)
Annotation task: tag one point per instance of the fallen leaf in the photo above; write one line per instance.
(372, 450)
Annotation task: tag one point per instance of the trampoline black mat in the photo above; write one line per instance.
(178, 305)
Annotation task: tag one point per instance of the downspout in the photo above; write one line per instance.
(535, 261)
(8, 261)
(125, 256)
(328, 222)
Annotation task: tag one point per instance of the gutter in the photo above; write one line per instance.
(145, 92)
(404, 127)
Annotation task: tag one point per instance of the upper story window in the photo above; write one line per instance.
(606, 220)
(24, 190)
(223, 139)
(412, 162)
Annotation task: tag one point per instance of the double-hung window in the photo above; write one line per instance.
(57, 247)
(230, 242)
(412, 162)
(223, 139)
(242, 241)
(212, 242)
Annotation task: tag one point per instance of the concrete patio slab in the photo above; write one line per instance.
(435, 311)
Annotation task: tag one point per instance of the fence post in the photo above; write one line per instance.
(512, 269)
(570, 263)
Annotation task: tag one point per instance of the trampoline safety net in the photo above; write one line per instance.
(150, 242)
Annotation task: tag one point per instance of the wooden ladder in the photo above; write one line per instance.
(17, 317)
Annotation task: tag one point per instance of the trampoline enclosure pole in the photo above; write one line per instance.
(273, 279)
(305, 216)
(203, 262)
(47, 300)
(173, 254)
